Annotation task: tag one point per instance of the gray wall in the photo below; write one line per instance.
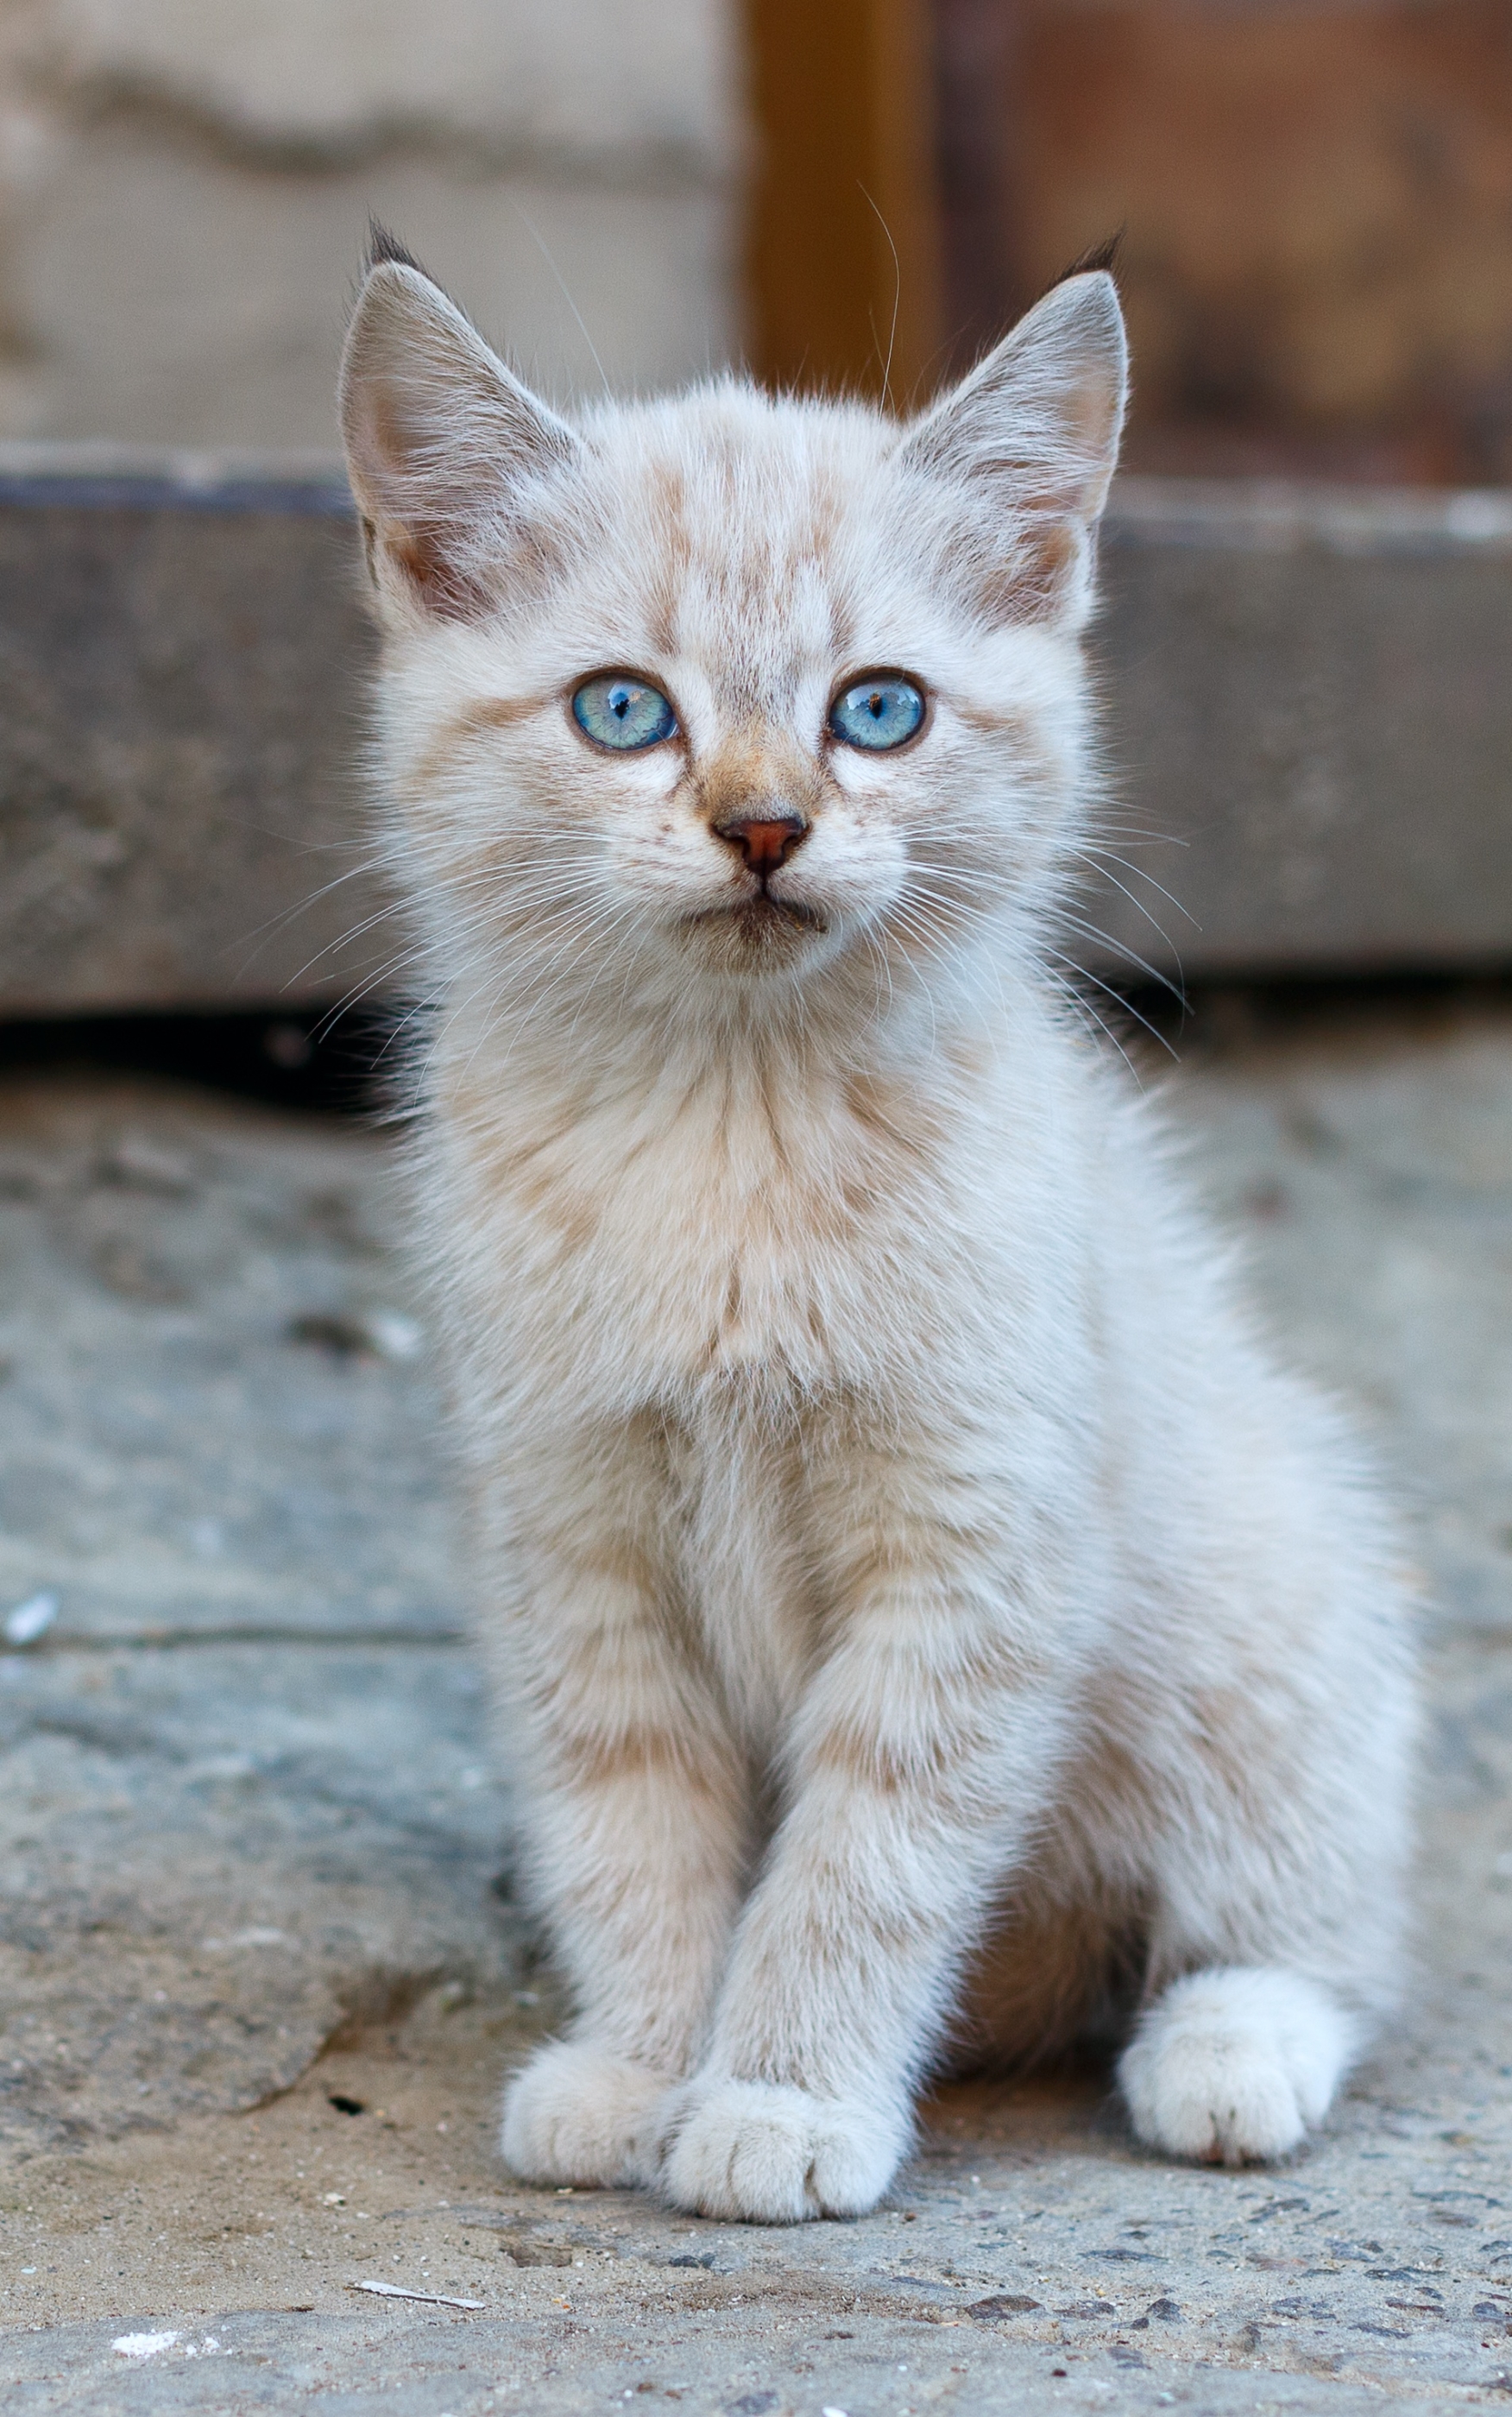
(185, 187)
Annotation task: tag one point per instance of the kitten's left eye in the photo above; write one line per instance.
(878, 712)
(619, 711)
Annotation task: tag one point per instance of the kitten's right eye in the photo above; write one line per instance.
(618, 710)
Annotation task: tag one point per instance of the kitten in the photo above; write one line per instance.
(926, 1616)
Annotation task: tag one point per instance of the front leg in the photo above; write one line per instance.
(929, 1741)
(637, 1835)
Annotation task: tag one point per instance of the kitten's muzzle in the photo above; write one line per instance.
(764, 841)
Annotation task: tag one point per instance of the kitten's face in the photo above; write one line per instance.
(723, 692)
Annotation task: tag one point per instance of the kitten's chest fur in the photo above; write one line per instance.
(741, 1268)
(731, 1232)
(742, 1556)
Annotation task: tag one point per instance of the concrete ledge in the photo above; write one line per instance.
(1310, 696)
(182, 651)
(1309, 709)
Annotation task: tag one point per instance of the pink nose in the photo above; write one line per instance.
(764, 845)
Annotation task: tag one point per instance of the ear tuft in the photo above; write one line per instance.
(382, 246)
(447, 452)
(1103, 255)
(1032, 436)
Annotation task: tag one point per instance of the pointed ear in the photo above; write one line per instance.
(1032, 433)
(447, 451)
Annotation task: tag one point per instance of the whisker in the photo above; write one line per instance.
(898, 296)
(1094, 932)
(1094, 855)
(1085, 973)
(1086, 1013)
(566, 295)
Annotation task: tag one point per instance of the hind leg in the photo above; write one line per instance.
(1236, 2063)
(1274, 1945)
(1271, 1955)
(1259, 1857)
(1227, 2064)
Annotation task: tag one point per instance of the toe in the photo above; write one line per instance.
(754, 2152)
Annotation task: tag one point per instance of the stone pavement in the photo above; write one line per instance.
(260, 1965)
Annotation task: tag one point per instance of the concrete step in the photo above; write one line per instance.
(1309, 705)
(1308, 709)
(182, 651)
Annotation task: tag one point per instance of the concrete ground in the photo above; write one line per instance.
(261, 1969)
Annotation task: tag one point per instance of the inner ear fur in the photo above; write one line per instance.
(445, 446)
(1034, 430)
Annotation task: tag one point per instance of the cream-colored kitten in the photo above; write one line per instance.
(928, 1617)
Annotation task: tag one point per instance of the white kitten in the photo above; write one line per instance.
(927, 1617)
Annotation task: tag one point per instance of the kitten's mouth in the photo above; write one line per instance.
(762, 916)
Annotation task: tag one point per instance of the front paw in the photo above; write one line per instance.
(755, 2154)
(577, 2114)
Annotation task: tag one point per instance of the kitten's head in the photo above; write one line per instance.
(723, 701)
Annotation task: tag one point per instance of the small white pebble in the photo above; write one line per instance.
(394, 1335)
(142, 2344)
(31, 1619)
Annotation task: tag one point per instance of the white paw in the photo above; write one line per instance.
(1232, 2064)
(759, 2154)
(577, 2114)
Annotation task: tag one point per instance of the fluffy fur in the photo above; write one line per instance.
(930, 1623)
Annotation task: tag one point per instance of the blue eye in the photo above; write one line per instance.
(879, 712)
(621, 711)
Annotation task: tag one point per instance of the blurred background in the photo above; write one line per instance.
(1316, 197)
(1307, 617)
(186, 185)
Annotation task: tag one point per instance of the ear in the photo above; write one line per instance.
(1034, 430)
(447, 451)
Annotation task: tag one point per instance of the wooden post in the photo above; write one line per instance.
(844, 258)
(975, 97)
